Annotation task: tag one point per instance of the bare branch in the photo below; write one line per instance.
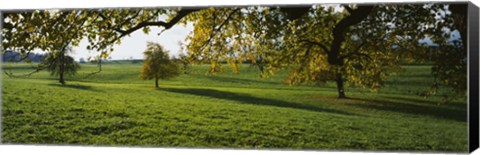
(38, 69)
(99, 64)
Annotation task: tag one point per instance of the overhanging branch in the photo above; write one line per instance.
(167, 25)
(218, 29)
(356, 16)
(348, 8)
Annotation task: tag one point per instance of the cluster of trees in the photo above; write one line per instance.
(157, 63)
(359, 45)
(12, 56)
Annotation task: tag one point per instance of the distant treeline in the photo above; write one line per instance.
(12, 56)
(433, 54)
(131, 61)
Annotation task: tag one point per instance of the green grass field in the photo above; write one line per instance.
(115, 108)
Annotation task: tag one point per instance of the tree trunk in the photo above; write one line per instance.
(185, 68)
(156, 82)
(62, 81)
(340, 86)
(62, 70)
(334, 58)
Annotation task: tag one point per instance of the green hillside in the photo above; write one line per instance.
(116, 108)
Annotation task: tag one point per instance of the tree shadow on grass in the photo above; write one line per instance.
(239, 81)
(429, 102)
(441, 112)
(409, 83)
(247, 99)
(80, 87)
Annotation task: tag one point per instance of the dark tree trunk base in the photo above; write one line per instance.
(340, 87)
(62, 81)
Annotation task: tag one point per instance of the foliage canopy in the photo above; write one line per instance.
(359, 44)
(58, 63)
(157, 64)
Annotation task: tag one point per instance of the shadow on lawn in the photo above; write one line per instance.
(411, 83)
(439, 111)
(245, 98)
(429, 102)
(81, 87)
(240, 81)
(251, 82)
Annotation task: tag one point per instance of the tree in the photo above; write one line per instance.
(82, 61)
(185, 62)
(157, 64)
(361, 45)
(58, 63)
(307, 45)
(314, 42)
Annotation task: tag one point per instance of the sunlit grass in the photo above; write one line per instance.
(115, 108)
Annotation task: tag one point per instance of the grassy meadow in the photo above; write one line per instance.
(115, 108)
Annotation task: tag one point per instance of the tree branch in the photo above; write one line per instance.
(316, 43)
(167, 25)
(459, 11)
(348, 8)
(131, 18)
(356, 16)
(100, 13)
(10, 74)
(358, 47)
(357, 52)
(99, 64)
(295, 12)
(218, 28)
(37, 69)
(306, 57)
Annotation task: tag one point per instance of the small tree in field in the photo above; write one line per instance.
(157, 64)
(58, 63)
(183, 59)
